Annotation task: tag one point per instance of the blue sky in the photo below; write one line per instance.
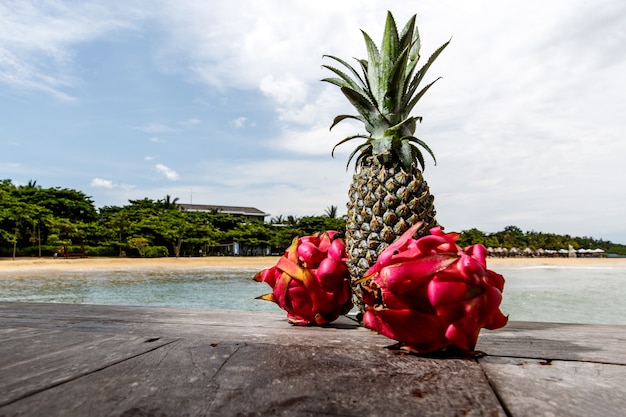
(220, 103)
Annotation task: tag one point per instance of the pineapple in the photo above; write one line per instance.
(388, 193)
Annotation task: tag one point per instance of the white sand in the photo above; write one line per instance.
(21, 264)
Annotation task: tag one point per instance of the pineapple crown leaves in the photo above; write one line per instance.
(385, 94)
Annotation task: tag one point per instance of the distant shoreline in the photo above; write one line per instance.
(495, 263)
(31, 263)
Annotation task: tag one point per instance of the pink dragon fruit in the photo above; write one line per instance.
(429, 294)
(310, 281)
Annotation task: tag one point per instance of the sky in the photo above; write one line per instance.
(221, 103)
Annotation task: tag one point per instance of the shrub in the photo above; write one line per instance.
(156, 252)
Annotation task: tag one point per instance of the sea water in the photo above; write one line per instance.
(545, 293)
(565, 294)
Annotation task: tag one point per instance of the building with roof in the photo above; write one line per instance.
(232, 248)
(251, 213)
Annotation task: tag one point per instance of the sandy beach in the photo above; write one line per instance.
(21, 264)
(7, 264)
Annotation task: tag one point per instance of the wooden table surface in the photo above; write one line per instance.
(87, 360)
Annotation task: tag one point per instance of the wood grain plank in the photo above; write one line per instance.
(601, 343)
(18, 351)
(530, 388)
(235, 326)
(63, 357)
(195, 378)
(351, 381)
(566, 341)
(91, 360)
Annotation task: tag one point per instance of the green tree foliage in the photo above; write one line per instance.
(41, 221)
(514, 237)
(140, 244)
(167, 228)
(471, 236)
(33, 214)
(61, 202)
(312, 224)
(18, 220)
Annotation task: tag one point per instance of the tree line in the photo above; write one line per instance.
(37, 221)
(514, 237)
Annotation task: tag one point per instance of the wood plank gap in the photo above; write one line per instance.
(495, 391)
(555, 359)
(84, 374)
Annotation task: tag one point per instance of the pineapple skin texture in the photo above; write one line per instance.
(383, 203)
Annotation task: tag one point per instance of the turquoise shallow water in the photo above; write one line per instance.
(547, 294)
(565, 294)
(197, 288)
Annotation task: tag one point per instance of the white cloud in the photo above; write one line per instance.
(37, 39)
(286, 90)
(299, 186)
(244, 56)
(108, 184)
(21, 75)
(239, 122)
(318, 140)
(155, 139)
(167, 172)
(102, 183)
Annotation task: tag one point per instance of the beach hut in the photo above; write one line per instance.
(501, 252)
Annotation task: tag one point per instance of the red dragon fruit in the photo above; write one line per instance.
(429, 294)
(310, 281)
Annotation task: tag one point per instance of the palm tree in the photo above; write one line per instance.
(331, 212)
(277, 220)
(292, 221)
(169, 204)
